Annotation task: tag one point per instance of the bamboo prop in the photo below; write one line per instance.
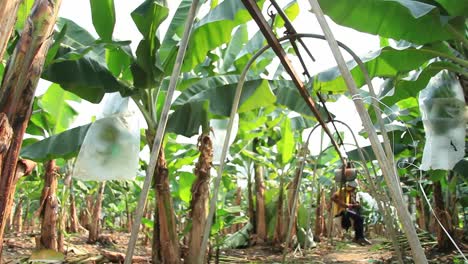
(160, 130)
(302, 161)
(314, 177)
(8, 14)
(389, 172)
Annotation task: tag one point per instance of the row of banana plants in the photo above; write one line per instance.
(263, 154)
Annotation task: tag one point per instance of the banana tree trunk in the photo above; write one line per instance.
(452, 199)
(421, 213)
(252, 213)
(94, 227)
(260, 214)
(17, 92)
(62, 221)
(18, 217)
(63, 213)
(330, 217)
(85, 213)
(291, 191)
(237, 202)
(74, 222)
(200, 196)
(8, 13)
(167, 248)
(156, 245)
(26, 227)
(443, 242)
(128, 215)
(278, 236)
(49, 207)
(6, 134)
(147, 230)
(320, 226)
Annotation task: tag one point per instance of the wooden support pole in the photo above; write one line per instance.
(275, 45)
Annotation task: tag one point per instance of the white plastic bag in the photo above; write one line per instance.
(442, 106)
(111, 145)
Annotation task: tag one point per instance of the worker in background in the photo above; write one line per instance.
(346, 206)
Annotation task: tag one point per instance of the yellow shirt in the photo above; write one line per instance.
(343, 195)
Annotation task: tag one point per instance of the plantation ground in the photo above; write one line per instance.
(18, 248)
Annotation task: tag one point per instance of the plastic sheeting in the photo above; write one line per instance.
(112, 144)
(442, 106)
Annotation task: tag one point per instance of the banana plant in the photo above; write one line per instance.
(203, 94)
(52, 114)
(90, 68)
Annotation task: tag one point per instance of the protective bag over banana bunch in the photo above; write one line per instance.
(442, 106)
(111, 147)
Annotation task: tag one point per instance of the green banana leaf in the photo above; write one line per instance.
(55, 102)
(148, 17)
(84, 77)
(410, 87)
(285, 92)
(462, 168)
(454, 8)
(64, 145)
(184, 187)
(79, 38)
(255, 94)
(385, 62)
(103, 14)
(288, 96)
(186, 120)
(23, 12)
(214, 30)
(37, 124)
(174, 31)
(354, 154)
(239, 38)
(286, 144)
(409, 20)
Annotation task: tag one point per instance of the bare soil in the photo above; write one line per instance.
(18, 248)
